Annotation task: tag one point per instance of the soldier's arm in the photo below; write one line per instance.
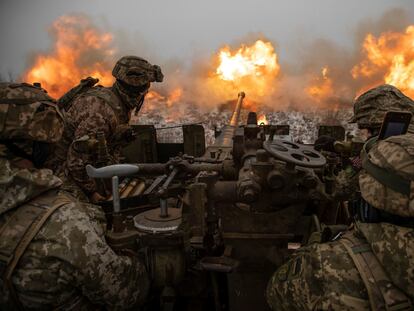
(102, 276)
(296, 285)
(91, 115)
(320, 276)
(346, 184)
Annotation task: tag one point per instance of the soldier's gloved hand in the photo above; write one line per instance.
(325, 143)
(123, 135)
(96, 197)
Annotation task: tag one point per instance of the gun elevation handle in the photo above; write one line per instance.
(111, 170)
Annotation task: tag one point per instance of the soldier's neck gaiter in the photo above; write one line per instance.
(131, 97)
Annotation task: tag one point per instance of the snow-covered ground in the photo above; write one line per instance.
(303, 125)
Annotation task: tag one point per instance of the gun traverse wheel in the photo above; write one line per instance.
(297, 154)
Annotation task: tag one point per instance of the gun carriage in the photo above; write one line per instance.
(214, 227)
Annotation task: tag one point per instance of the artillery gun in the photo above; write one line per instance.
(213, 228)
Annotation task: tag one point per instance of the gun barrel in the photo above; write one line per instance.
(227, 133)
(234, 121)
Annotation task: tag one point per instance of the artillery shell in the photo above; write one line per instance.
(140, 187)
(121, 188)
(128, 189)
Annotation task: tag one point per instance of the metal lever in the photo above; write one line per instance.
(111, 170)
(115, 194)
(155, 184)
(162, 192)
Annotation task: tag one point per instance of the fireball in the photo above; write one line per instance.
(250, 68)
(80, 50)
(391, 57)
(258, 60)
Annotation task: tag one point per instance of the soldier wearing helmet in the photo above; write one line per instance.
(53, 253)
(371, 107)
(369, 111)
(372, 266)
(133, 78)
(104, 112)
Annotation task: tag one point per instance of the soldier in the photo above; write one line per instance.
(372, 266)
(371, 107)
(53, 253)
(369, 112)
(99, 114)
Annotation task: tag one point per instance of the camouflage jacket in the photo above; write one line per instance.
(346, 184)
(97, 110)
(68, 260)
(324, 276)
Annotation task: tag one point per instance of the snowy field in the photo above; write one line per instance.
(303, 125)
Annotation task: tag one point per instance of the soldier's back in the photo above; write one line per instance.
(320, 276)
(327, 276)
(45, 276)
(96, 110)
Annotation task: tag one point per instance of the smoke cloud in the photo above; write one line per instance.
(321, 77)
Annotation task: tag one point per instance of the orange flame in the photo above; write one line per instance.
(174, 96)
(391, 56)
(256, 60)
(252, 69)
(321, 88)
(153, 99)
(80, 50)
(262, 120)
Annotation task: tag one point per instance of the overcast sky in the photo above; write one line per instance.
(181, 29)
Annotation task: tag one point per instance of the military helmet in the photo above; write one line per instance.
(387, 180)
(136, 71)
(371, 107)
(28, 113)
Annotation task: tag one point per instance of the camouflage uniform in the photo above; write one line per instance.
(52, 248)
(346, 182)
(104, 110)
(370, 267)
(369, 111)
(371, 107)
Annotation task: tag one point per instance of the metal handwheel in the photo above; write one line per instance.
(297, 154)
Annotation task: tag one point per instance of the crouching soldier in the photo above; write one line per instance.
(372, 266)
(53, 253)
(96, 113)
